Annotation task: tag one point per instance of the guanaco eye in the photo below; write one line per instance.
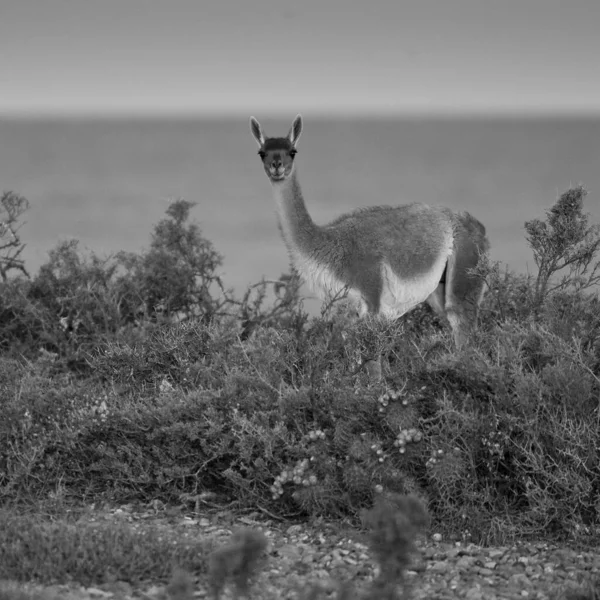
(262, 154)
(293, 153)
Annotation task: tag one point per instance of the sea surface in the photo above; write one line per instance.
(107, 182)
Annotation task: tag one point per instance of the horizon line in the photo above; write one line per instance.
(345, 113)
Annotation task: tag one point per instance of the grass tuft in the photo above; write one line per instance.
(49, 551)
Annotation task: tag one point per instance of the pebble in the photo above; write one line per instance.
(321, 574)
(92, 591)
(519, 579)
(289, 551)
(474, 593)
(294, 529)
(465, 562)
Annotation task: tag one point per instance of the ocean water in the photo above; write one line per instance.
(107, 182)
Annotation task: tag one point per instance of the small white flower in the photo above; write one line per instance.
(165, 386)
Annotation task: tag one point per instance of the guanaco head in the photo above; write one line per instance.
(277, 154)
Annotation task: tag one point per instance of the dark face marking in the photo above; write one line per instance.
(277, 155)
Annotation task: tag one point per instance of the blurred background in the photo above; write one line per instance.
(110, 109)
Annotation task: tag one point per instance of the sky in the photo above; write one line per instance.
(71, 57)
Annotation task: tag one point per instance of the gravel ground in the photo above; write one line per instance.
(301, 554)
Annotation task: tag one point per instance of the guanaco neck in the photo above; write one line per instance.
(297, 228)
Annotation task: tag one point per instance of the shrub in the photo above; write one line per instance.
(177, 276)
(43, 550)
(564, 243)
(104, 394)
(12, 207)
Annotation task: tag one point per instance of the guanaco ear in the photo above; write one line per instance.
(296, 130)
(257, 132)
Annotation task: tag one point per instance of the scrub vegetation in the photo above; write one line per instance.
(140, 377)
